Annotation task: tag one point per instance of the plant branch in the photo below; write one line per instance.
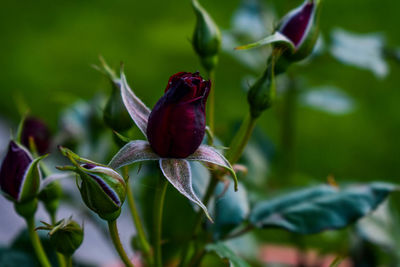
(37, 245)
(158, 212)
(136, 218)
(113, 229)
(241, 139)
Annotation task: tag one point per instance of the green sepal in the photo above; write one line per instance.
(76, 158)
(276, 38)
(31, 181)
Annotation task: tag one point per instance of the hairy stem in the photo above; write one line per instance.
(37, 245)
(136, 219)
(158, 212)
(113, 229)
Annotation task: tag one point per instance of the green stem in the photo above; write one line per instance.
(61, 260)
(136, 219)
(112, 227)
(37, 245)
(68, 260)
(241, 139)
(158, 212)
(211, 103)
(199, 216)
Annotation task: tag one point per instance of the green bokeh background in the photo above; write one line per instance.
(47, 48)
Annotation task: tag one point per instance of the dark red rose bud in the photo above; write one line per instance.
(36, 129)
(19, 174)
(177, 122)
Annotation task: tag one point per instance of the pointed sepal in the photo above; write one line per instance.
(138, 111)
(134, 151)
(211, 155)
(178, 173)
(276, 38)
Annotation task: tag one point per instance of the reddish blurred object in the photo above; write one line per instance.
(293, 257)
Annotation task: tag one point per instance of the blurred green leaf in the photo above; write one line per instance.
(16, 258)
(320, 208)
(226, 253)
(231, 208)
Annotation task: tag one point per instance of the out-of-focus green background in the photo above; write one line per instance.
(47, 48)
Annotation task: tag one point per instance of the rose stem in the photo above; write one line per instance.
(37, 245)
(158, 212)
(68, 260)
(241, 139)
(211, 103)
(136, 218)
(199, 216)
(112, 227)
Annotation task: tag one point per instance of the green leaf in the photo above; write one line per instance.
(277, 37)
(231, 208)
(225, 252)
(320, 208)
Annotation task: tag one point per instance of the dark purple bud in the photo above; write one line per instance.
(12, 173)
(177, 122)
(295, 26)
(36, 129)
(301, 27)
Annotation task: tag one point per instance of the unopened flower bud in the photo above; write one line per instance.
(176, 125)
(36, 130)
(19, 174)
(206, 37)
(66, 236)
(115, 114)
(102, 189)
(301, 27)
(262, 93)
(295, 36)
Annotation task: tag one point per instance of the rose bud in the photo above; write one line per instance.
(206, 37)
(19, 174)
(262, 93)
(115, 115)
(36, 130)
(102, 189)
(177, 122)
(66, 236)
(295, 35)
(301, 27)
